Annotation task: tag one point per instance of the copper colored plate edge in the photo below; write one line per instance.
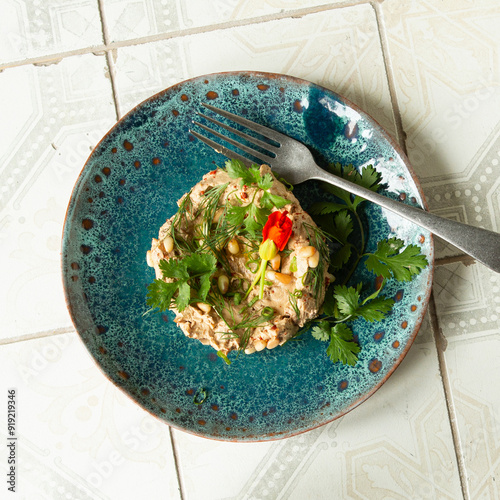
(397, 148)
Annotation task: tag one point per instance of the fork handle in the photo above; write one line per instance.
(479, 243)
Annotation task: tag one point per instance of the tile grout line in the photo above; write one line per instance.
(177, 464)
(441, 343)
(109, 59)
(109, 46)
(465, 259)
(389, 71)
(439, 340)
(38, 335)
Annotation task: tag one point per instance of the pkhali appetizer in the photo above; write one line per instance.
(241, 264)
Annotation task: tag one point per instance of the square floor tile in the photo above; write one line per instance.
(473, 366)
(468, 308)
(52, 118)
(78, 436)
(40, 27)
(445, 62)
(467, 300)
(318, 47)
(397, 444)
(129, 19)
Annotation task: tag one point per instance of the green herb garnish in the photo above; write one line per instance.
(191, 283)
(391, 260)
(200, 396)
(250, 218)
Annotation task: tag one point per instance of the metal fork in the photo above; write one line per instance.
(293, 161)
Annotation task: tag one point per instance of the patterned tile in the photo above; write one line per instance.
(138, 18)
(467, 300)
(473, 366)
(468, 307)
(79, 437)
(31, 28)
(397, 444)
(52, 118)
(445, 63)
(318, 47)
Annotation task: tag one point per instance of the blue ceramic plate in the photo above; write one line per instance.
(129, 187)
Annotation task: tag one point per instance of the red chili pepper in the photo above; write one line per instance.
(278, 228)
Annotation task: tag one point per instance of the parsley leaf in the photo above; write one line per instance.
(321, 331)
(269, 200)
(342, 347)
(237, 169)
(265, 181)
(325, 207)
(389, 262)
(256, 219)
(348, 301)
(369, 178)
(192, 276)
(342, 226)
(160, 294)
(376, 309)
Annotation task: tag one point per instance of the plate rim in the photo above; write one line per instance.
(426, 296)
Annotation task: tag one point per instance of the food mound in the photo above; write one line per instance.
(241, 264)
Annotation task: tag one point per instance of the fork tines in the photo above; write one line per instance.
(266, 147)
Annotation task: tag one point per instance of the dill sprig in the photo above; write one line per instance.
(183, 218)
(315, 276)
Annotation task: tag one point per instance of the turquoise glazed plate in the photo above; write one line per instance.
(129, 187)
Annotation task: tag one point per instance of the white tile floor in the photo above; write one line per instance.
(428, 71)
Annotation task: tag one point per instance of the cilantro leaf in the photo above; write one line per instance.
(347, 299)
(329, 304)
(325, 207)
(160, 294)
(191, 274)
(199, 263)
(251, 217)
(368, 177)
(269, 200)
(375, 309)
(342, 347)
(265, 181)
(343, 226)
(237, 169)
(253, 175)
(389, 262)
(236, 214)
(172, 268)
(184, 295)
(204, 265)
(341, 256)
(256, 219)
(321, 331)
(345, 172)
